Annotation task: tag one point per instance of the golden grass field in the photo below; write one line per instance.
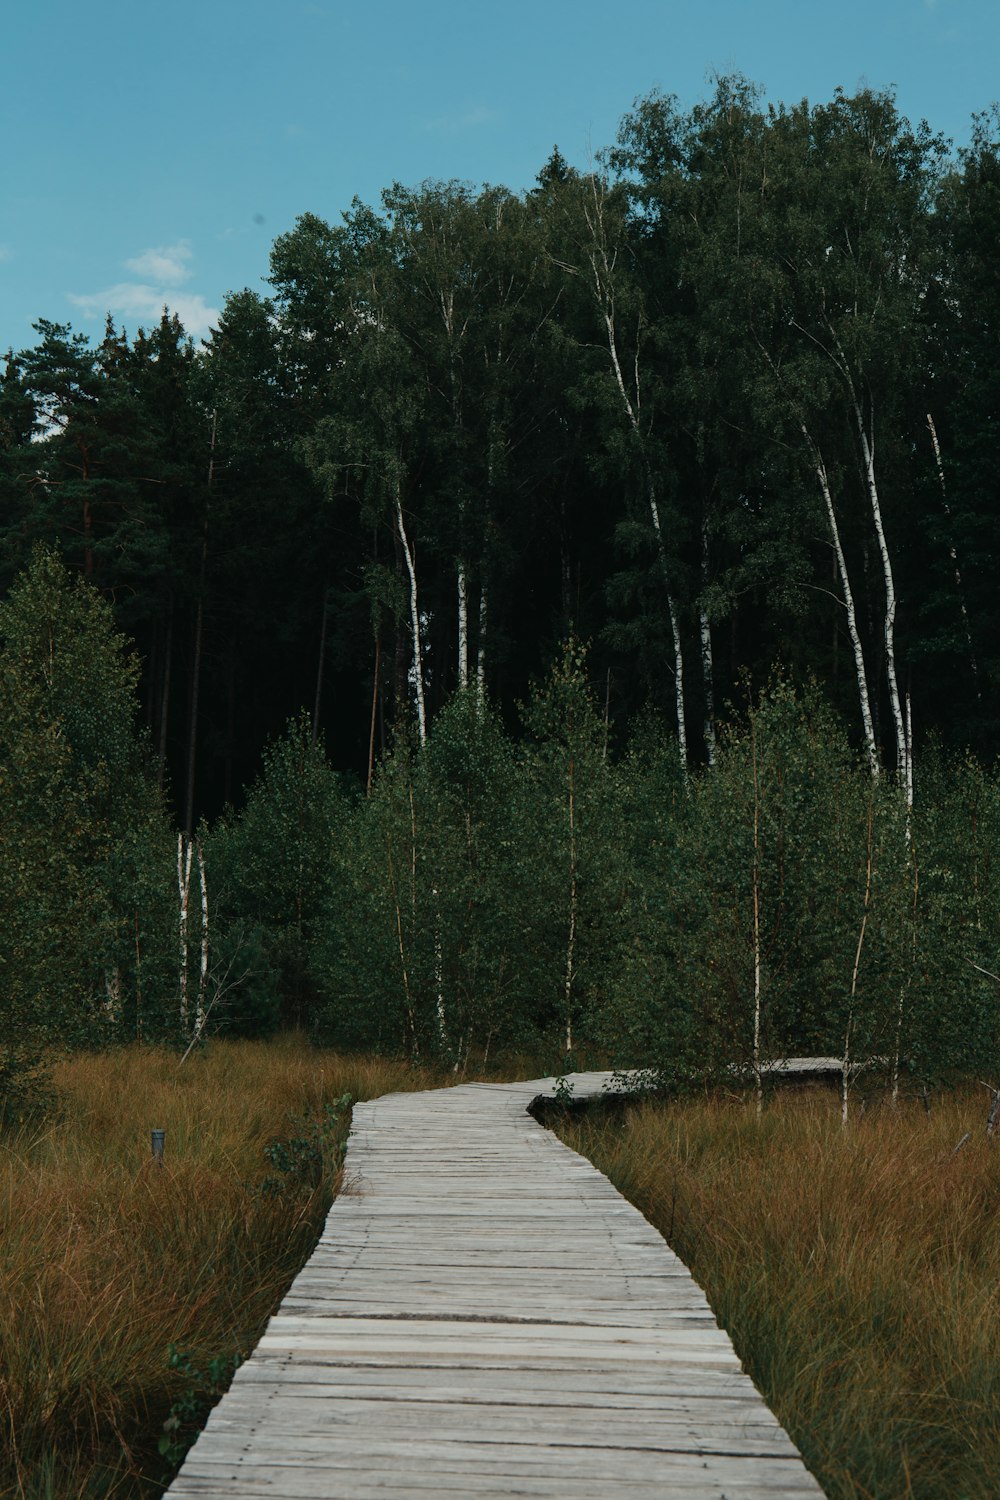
(857, 1270)
(106, 1259)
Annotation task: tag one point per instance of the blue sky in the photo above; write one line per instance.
(152, 152)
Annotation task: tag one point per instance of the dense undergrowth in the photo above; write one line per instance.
(857, 1271)
(129, 1291)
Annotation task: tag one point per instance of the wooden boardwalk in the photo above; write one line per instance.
(485, 1315)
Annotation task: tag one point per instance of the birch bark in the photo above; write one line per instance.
(867, 441)
(463, 626)
(601, 266)
(846, 1062)
(757, 996)
(183, 896)
(418, 655)
(953, 554)
(317, 703)
(571, 934)
(439, 974)
(481, 646)
(200, 1010)
(707, 666)
(868, 727)
(410, 1041)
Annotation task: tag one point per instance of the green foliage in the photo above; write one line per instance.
(780, 904)
(949, 919)
(577, 871)
(483, 890)
(206, 1380)
(868, 922)
(750, 889)
(435, 950)
(312, 1155)
(273, 871)
(84, 878)
(562, 1094)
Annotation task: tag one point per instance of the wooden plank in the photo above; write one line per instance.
(485, 1315)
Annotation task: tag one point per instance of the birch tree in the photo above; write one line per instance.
(578, 860)
(469, 294)
(849, 251)
(364, 446)
(694, 182)
(960, 322)
(595, 252)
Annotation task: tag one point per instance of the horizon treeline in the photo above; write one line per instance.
(730, 399)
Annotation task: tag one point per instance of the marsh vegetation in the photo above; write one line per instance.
(856, 1270)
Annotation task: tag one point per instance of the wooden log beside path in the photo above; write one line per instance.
(485, 1315)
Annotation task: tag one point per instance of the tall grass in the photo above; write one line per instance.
(857, 1271)
(107, 1259)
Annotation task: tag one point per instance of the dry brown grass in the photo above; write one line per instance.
(107, 1259)
(857, 1271)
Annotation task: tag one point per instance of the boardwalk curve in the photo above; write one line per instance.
(485, 1315)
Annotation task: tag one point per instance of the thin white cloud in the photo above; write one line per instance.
(167, 265)
(6, 253)
(195, 313)
(144, 304)
(162, 270)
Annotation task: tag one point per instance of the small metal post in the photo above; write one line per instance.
(158, 1137)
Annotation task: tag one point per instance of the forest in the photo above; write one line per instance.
(545, 619)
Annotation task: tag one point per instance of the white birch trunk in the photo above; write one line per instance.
(909, 762)
(845, 1071)
(183, 895)
(852, 619)
(403, 965)
(952, 553)
(897, 1052)
(201, 1012)
(418, 655)
(707, 665)
(675, 631)
(113, 994)
(571, 935)
(439, 974)
(138, 976)
(867, 442)
(481, 647)
(602, 282)
(463, 627)
(654, 513)
(758, 1076)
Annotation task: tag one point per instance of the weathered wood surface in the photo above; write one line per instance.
(485, 1315)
